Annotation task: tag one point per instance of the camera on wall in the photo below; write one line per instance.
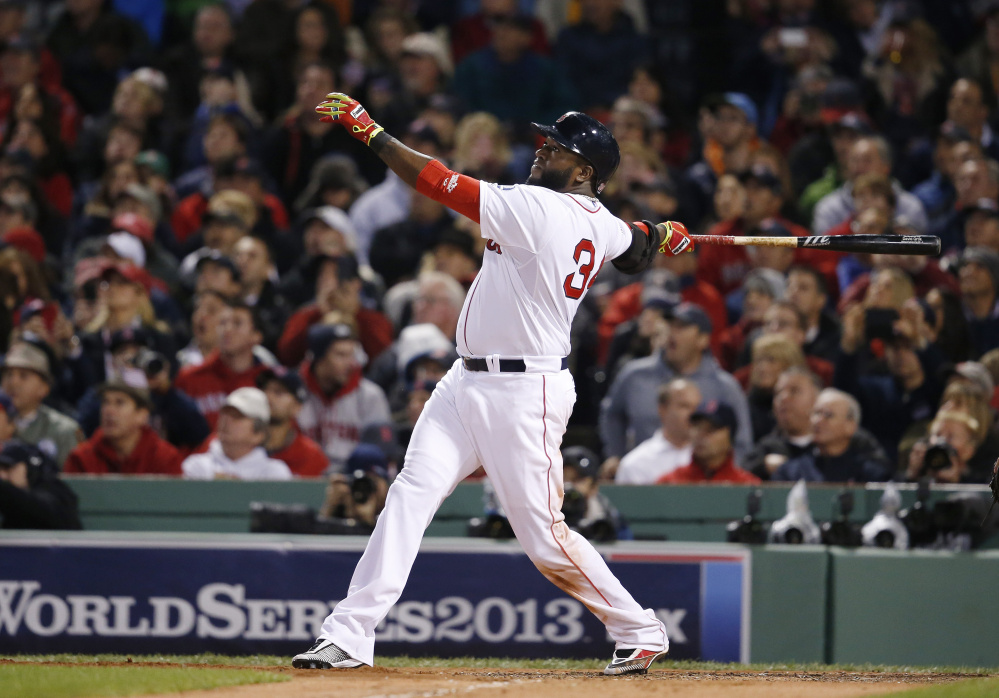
(748, 529)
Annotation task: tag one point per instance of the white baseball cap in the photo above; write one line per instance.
(338, 220)
(250, 402)
(128, 247)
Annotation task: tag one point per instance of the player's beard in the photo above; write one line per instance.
(556, 180)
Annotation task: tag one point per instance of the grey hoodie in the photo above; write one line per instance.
(629, 414)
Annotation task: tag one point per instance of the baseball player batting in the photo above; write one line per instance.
(505, 403)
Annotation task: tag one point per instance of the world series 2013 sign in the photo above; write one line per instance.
(242, 594)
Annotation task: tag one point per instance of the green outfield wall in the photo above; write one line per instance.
(808, 603)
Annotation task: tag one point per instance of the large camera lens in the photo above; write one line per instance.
(938, 457)
(361, 487)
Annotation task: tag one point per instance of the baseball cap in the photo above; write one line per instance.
(130, 272)
(383, 435)
(419, 339)
(288, 378)
(463, 242)
(49, 311)
(145, 196)
(841, 96)
(769, 282)
(30, 357)
(128, 247)
(985, 258)
(131, 383)
(26, 239)
(128, 335)
(442, 357)
(222, 260)
(426, 44)
(250, 402)
(691, 314)
(582, 459)
(320, 337)
(369, 459)
(662, 299)
(719, 414)
(133, 224)
(743, 103)
(978, 375)
(334, 218)
(155, 161)
(15, 452)
(762, 175)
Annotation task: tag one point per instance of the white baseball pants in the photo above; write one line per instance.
(511, 423)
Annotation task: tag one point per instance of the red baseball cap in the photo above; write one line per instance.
(135, 224)
(132, 273)
(28, 240)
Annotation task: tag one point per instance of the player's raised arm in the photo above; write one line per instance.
(670, 238)
(428, 176)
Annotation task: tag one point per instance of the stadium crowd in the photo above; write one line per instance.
(200, 278)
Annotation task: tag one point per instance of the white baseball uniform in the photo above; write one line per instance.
(544, 249)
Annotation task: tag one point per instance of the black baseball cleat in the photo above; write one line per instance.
(324, 655)
(632, 661)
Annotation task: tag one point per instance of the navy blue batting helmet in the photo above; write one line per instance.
(588, 138)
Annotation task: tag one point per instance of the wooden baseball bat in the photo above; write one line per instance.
(875, 244)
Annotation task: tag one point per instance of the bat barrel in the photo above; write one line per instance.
(874, 244)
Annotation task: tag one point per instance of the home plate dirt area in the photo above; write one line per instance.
(516, 683)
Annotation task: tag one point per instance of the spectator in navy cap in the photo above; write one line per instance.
(286, 394)
(31, 494)
(341, 403)
(629, 413)
(713, 426)
(359, 493)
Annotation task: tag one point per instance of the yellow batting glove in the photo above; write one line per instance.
(676, 239)
(349, 113)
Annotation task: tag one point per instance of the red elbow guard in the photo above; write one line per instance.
(458, 192)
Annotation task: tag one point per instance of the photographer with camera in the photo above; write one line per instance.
(944, 455)
(172, 414)
(31, 494)
(910, 389)
(587, 510)
(356, 497)
(124, 444)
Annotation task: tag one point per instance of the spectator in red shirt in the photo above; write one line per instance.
(124, 444)
(285, 394)
(338, 289)
(713, 425)
(232, 366)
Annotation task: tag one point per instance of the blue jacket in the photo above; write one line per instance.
(863, 461)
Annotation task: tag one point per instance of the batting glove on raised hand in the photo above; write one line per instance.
(349, 113)
(675, 238)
